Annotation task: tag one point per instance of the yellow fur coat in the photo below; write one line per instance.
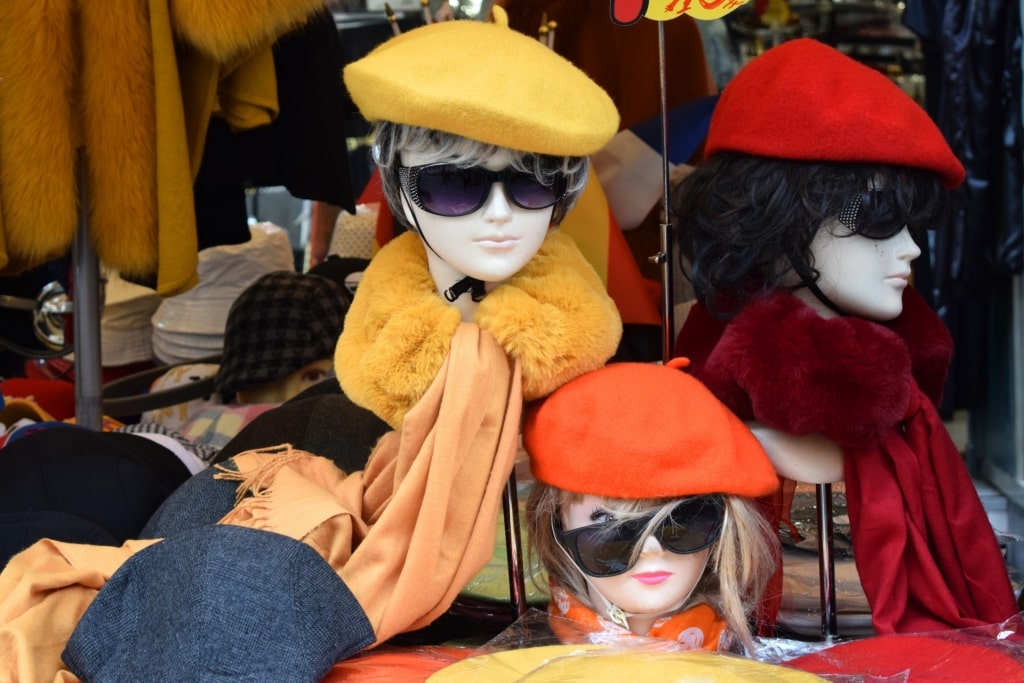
(132, 84)
(554, 316)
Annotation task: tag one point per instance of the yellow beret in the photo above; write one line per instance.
(486, 82)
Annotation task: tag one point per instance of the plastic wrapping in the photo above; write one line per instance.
(992, 653)
(528, 651)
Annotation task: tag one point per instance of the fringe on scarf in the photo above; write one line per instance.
(255, 484)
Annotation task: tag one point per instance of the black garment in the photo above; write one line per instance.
(973, 70)
(304, 149)
(74, 484)
(321, 420)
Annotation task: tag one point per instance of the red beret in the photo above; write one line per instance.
(637, 430)
(807, 101)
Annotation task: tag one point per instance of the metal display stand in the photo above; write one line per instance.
(86, 312)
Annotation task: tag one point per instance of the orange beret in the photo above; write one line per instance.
(807, 101)
(638, 430)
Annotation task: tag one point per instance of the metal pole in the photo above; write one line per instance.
(664, 257)
(85, 295)
(826, 562)
(514, 547)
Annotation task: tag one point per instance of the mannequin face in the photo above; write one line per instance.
(655, 587)
(865, 277)
(284, 388)
(491, 244)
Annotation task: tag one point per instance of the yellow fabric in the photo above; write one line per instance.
(43, 593)
(103, 79)
(554, 316)
(486, 82)
(600, 664)
(588, 225)
(18, 408)
(177, 244)
(37, 133)
(405, 535)
(228, 30)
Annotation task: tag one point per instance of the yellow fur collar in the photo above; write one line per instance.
(554, 315)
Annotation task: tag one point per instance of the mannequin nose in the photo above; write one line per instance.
(651, 546)
(497, 208)
(906, 247)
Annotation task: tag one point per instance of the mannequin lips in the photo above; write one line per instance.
(652, 578)
(497, 242)
(902, 279)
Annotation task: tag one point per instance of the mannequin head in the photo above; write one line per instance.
(636, 510)
(753, 224)
(811, 156)
(656, 582)
(860, 276)
(280, 335)
(479, 96)
(466, 243)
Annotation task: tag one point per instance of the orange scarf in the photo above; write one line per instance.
(699, 627)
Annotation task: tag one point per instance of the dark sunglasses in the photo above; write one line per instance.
(451, 190)
(601, 550)
(875, 214)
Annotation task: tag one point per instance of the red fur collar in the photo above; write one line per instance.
(847, 378)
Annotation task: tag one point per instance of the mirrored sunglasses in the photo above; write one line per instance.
(603, 549)
(450, 190)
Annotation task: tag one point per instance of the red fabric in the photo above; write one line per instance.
(55, 396)
(934, 563)
(395, 665)
(916, 659)
(637, 298)
(924, 548)
(640, 421)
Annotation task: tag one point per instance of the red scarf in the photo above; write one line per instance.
(923, 545)
(697, 628)
(934, 563)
